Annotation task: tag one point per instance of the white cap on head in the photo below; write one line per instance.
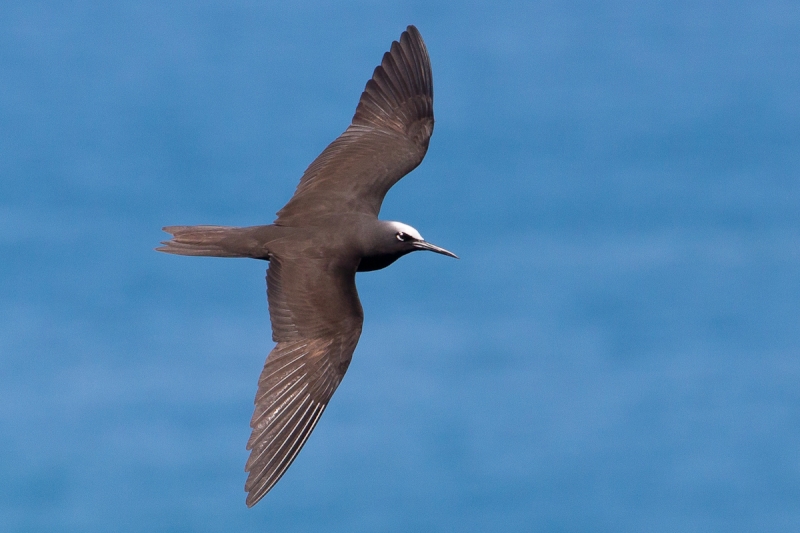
(405, 228)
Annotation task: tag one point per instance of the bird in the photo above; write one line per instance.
(327, 232)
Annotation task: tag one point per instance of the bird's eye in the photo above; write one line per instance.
(401, 236)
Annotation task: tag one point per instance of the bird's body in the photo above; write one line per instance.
(326, 233)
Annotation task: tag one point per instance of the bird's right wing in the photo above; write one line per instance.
(316, 322)
(386, 140)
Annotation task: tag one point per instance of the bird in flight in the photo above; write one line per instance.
(328, 231)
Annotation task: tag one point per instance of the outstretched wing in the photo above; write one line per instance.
(316, 321)
(386, 140)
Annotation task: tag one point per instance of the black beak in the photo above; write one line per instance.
(423, 245)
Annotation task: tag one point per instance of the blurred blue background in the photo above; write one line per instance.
(617, 349)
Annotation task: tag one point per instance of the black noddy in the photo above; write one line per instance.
(328, 231)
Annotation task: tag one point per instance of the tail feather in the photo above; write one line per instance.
(215, 241)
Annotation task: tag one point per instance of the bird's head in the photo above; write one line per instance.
(389, 241)
(406, 239)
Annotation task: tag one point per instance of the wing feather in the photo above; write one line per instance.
(316, 319)
(387, 139)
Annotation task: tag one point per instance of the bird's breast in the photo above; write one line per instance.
(377, 262)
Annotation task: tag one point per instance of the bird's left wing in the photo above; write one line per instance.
(386, 140)
(316, 321)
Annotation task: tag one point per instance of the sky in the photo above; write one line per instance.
(616, 350)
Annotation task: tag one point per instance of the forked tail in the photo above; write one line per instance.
(218, 241)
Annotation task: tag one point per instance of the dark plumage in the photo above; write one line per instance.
(327, 232)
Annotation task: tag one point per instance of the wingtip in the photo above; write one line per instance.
(249, 502)
(255, 495)
(412, 32)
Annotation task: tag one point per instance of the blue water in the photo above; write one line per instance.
(617, 350)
